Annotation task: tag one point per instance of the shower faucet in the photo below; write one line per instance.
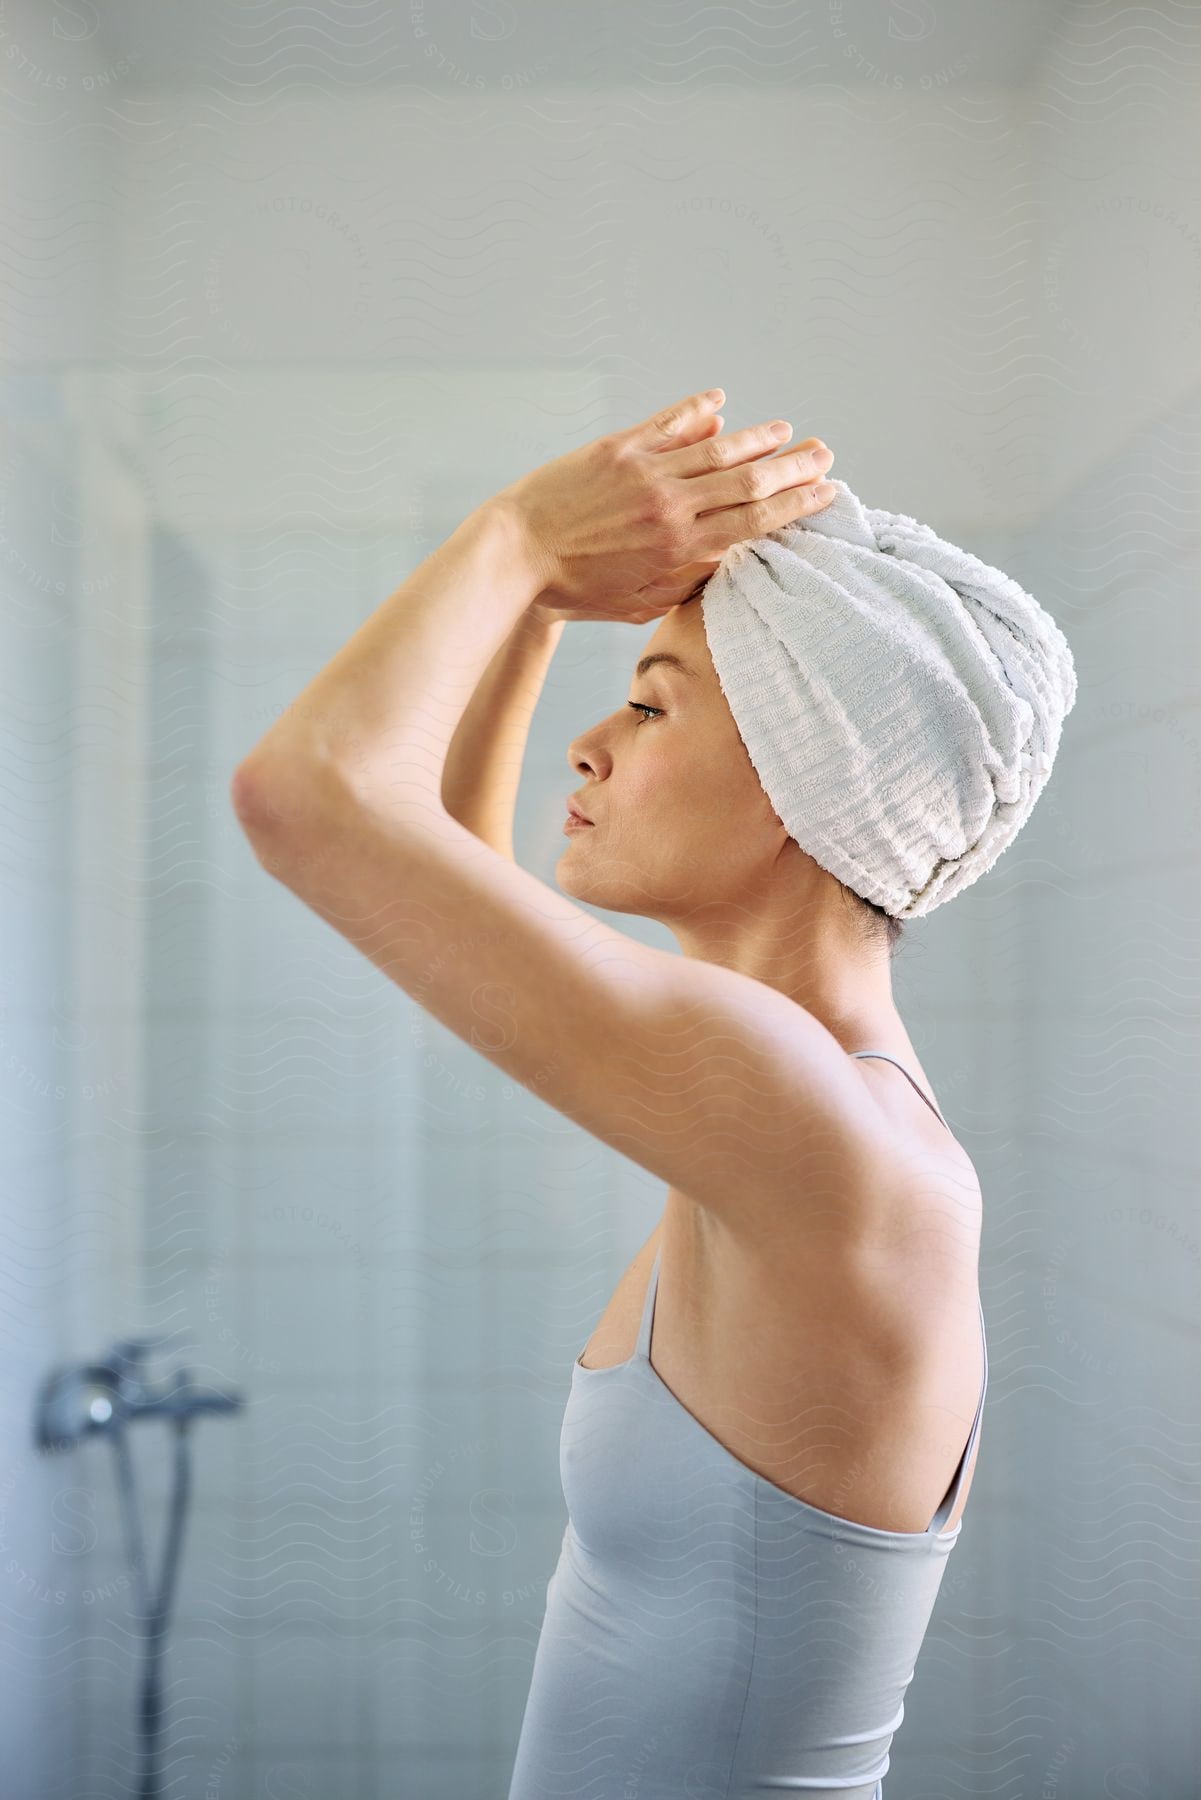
(79, 1400)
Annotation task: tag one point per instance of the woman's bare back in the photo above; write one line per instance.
(843, 1368)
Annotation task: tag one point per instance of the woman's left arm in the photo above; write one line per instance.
(384, 710)
(601, 532)
(714, 1082)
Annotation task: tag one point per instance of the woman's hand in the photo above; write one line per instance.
(651, 602)
(633, 523)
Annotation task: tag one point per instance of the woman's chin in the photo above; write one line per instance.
(574, 879)
(591, 886)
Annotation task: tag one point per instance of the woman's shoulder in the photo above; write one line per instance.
(919, 1254)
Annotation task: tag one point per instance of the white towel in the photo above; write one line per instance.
(900, 700)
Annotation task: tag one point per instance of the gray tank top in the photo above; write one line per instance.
(707, 1635)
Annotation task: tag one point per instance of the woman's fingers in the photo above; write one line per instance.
(671, 427)
(695, 462)
(750, 480)
(695, 431)
(716, 531)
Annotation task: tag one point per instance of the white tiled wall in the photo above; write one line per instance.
(981, 294)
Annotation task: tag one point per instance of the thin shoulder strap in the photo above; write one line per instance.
(908, 1077)
(948, 1506)
(648, 1310)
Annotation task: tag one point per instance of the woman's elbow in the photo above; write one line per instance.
(274, 796)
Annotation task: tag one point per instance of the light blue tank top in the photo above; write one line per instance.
(707, 1635)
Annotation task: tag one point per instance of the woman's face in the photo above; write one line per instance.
(680, 818)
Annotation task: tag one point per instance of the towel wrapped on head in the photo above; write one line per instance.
(900, 700)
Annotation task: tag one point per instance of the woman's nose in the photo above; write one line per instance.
(585, 755)
(589, 753)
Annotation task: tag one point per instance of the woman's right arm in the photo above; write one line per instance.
(483, 765)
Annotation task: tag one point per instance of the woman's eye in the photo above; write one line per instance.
(652, 712)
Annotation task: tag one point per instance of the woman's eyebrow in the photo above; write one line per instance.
(665, 656)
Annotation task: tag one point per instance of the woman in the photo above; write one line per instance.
(766, 1461)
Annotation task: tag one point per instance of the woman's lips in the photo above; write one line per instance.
(574, 823)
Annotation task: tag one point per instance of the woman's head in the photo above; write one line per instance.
(683, 831)
(855, 684)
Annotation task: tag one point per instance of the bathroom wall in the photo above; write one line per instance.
(299, 299)
(73, 534)
(1093, 1252)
